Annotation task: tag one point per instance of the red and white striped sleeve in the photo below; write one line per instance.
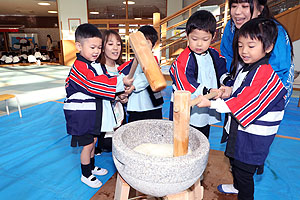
(252, 100)
(101, 85)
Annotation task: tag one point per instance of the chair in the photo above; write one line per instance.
(5, 97)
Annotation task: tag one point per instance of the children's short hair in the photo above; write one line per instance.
(201, 20)
(262, 29)
(86, 30)
(150, 33)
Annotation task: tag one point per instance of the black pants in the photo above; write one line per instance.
(51, 54)
(150, 114)
(243, 179)
(205, 129)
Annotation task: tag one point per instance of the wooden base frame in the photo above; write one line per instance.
(193, 193)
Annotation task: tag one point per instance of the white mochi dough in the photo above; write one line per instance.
(159, 150)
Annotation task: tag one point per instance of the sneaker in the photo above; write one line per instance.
(227, 189)
(91, 181)
(99, 171)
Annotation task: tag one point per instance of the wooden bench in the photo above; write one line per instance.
(5, 97)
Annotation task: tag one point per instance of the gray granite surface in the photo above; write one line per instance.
(153, 175)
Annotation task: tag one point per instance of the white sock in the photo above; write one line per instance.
(229, 188)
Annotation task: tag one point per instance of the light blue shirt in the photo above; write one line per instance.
(139, 99)
(207, 77)
(110, 122)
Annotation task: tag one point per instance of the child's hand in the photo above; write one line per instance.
(127, 81)
(123, 98)
(226, 91)
(218, 91)
(129, 89)
(204, 102)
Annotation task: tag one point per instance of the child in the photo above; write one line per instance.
(87, 108)
(255, 107)
(143, 103)
(111, 58)
(281, 58)
(199, 68)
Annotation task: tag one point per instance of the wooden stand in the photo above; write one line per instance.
(181, 115)
(122, 189)
(193, 193)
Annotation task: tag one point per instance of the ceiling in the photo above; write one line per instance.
(26, 8)
(106, 8)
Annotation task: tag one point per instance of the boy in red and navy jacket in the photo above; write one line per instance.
(87, 108)
(200, 68)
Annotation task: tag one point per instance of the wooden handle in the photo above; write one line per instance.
(132, 69)
(181, 118)
(208, 96)
(147, 61)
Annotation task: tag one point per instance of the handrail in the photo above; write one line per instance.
(178, 24)
(173, 42)
(176, 38)
(287, 11)
(196, 3)
(275, 4)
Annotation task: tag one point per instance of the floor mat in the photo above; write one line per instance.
(281, 176)
(37, 161)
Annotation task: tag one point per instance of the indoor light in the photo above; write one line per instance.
(129, 2)
(94, 13)
(52, 11)
(44, 4)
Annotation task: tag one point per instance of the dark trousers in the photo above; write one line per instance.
(100, 143)
(243, 179)
(150, 114)
(205, 129)
(51, 54)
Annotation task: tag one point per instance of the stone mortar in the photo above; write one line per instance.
(152, 175)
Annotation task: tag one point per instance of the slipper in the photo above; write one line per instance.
(227, 189)
(91, 181)
(99, 171)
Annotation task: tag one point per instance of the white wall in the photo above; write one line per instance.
(296, 45)
(68, 10)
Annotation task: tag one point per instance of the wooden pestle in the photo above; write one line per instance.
(147, 61)
(181, 119)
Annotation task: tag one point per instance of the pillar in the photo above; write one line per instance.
(70, 15)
